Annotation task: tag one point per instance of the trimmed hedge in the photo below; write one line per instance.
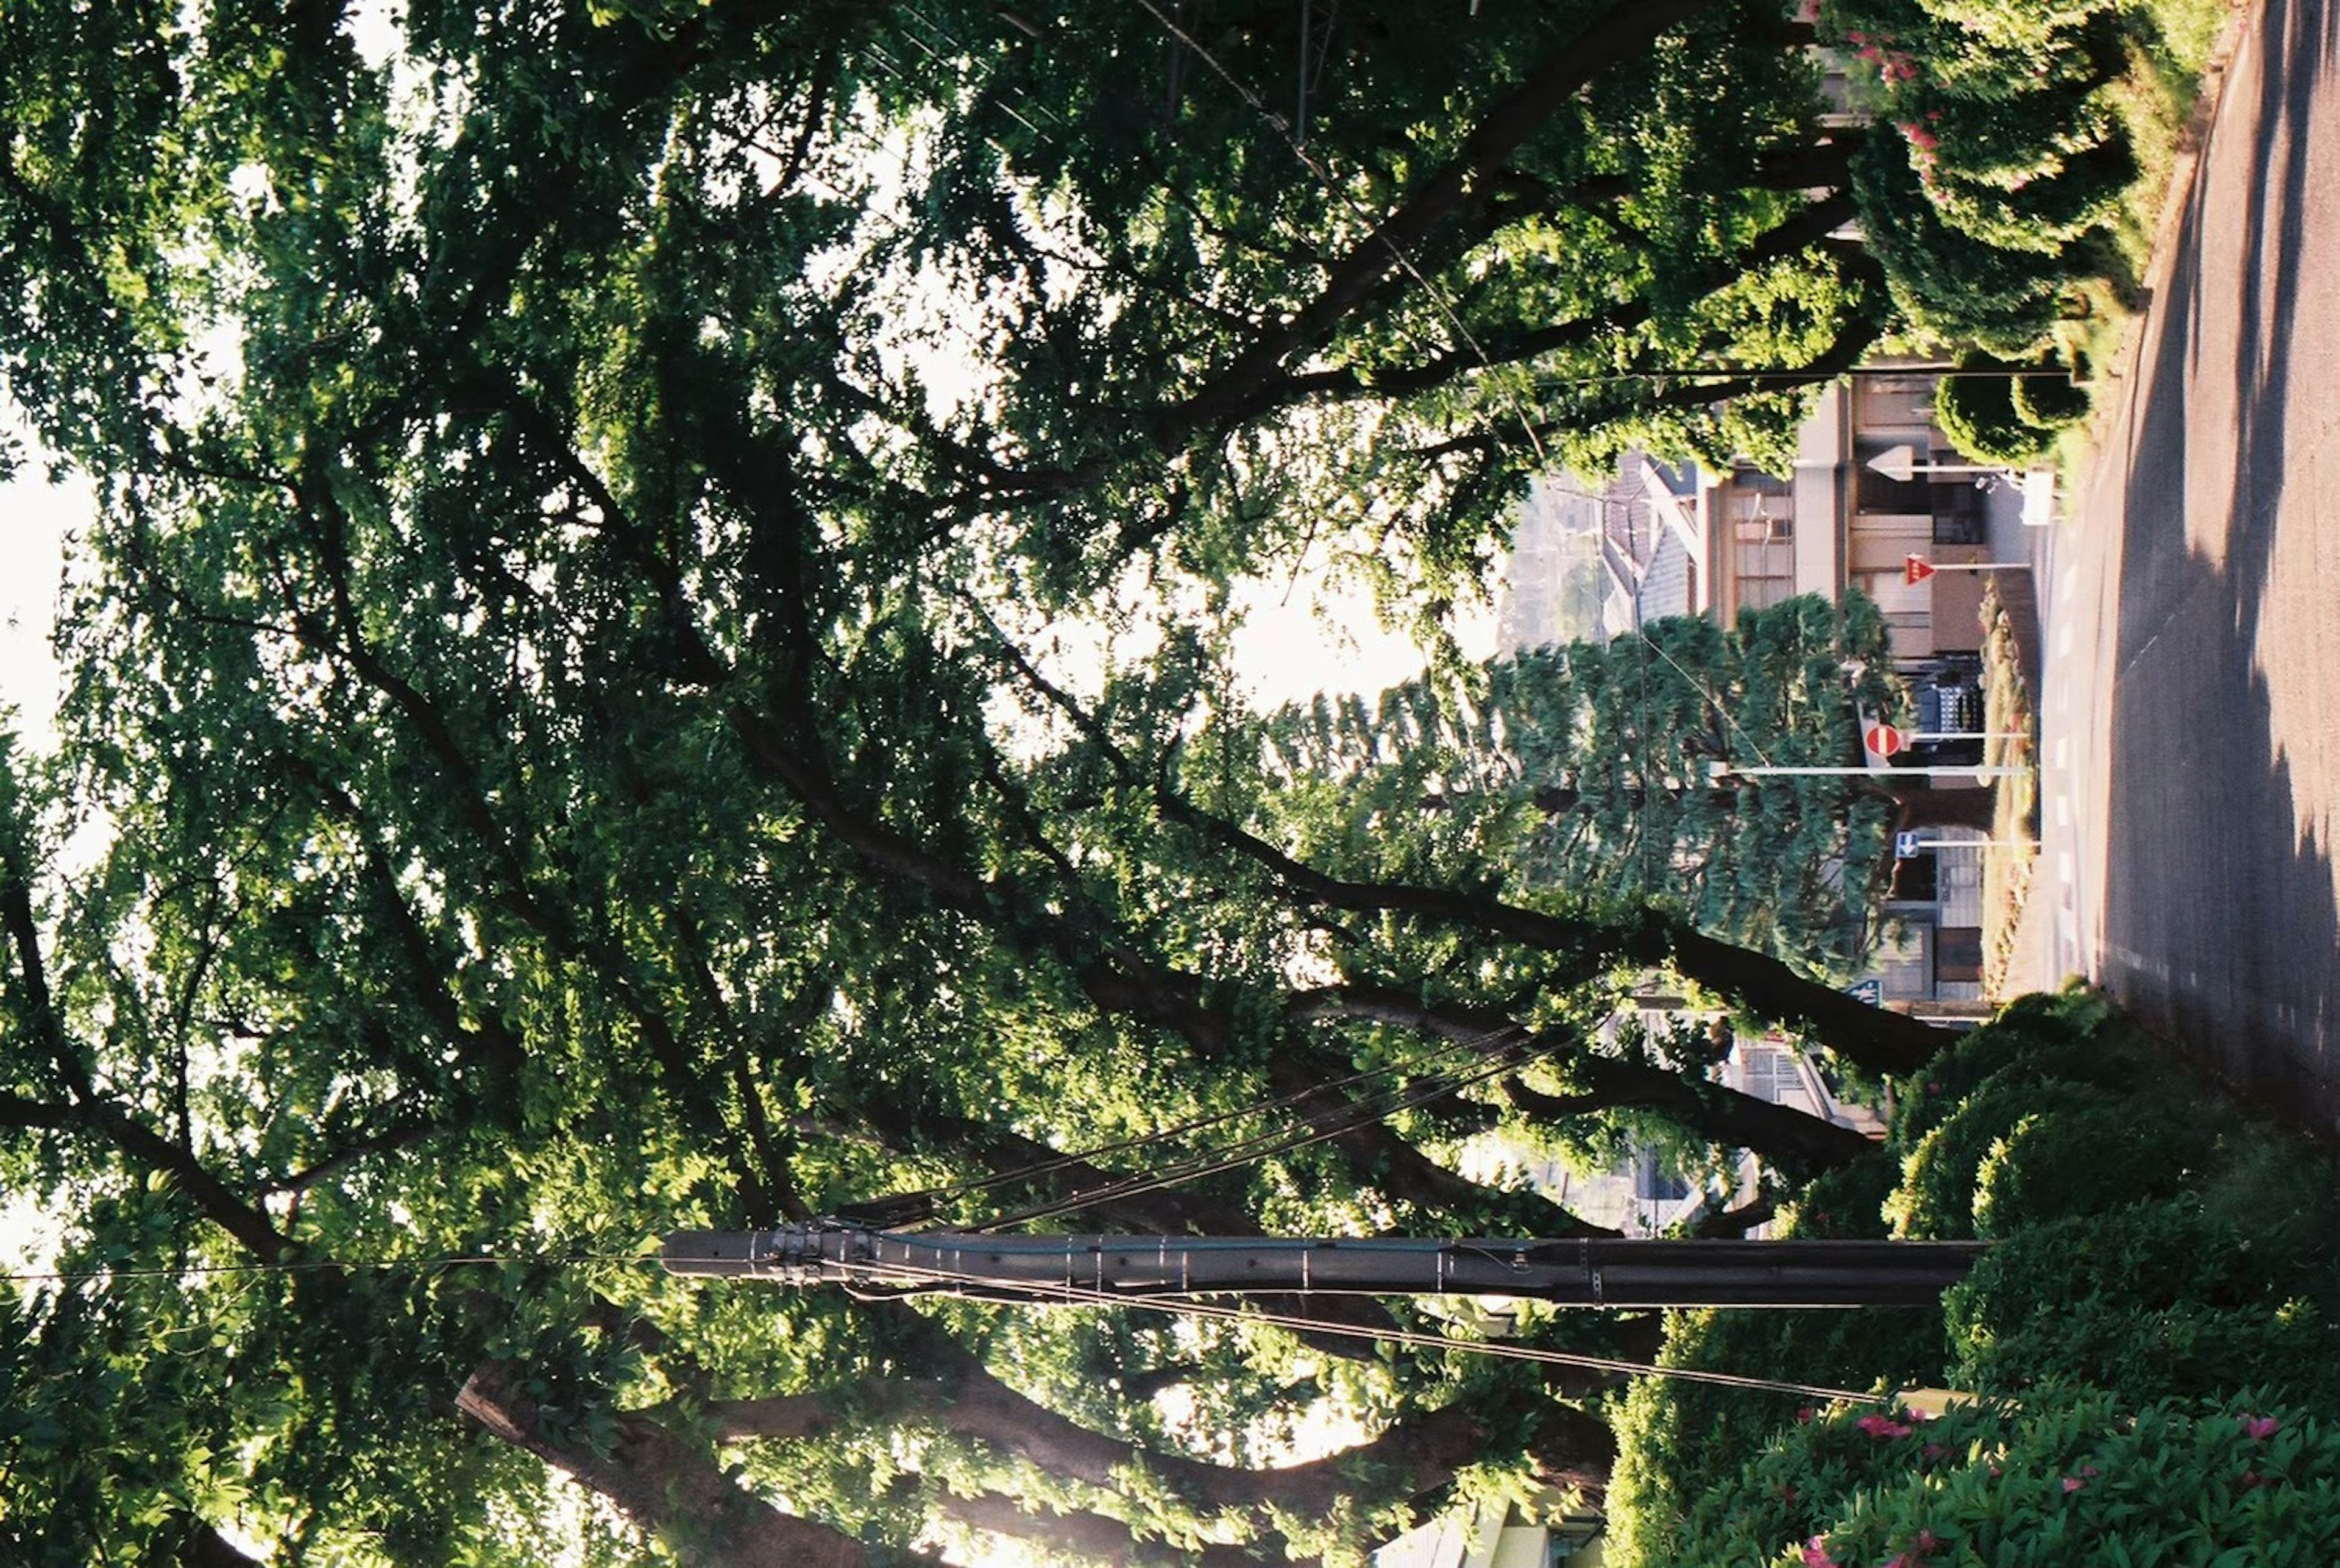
(2175, 1485)
(2153, 1244)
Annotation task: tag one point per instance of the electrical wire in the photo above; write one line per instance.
(417, 1266)
(1357, 210)
(1262, 1146)
(1037, 1168)
(914, 1277)
(930, 1281)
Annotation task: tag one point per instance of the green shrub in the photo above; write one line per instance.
(1847, 1202)
(1941, 1174)
(2079, 1480)
(1945, 281)
(2018, 27)
(2061, 1161)
(1978, 413)
(2052, 402)
(2008, 142)
(2155, 1244)
(2047, 213)
(2181, 1296)
(1679, 1441)
(2046, 1033)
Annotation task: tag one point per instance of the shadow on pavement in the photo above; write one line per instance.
(2221, 925)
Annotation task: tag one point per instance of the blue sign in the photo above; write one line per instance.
(1871, 990)
(1905, 846)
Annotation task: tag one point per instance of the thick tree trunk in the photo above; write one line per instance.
(1409, 1457)
(1094, 1538)
(1783, 1135)
(1870, 1038)
(1965, 806)
(1623, 32)
(1780, 1134)
(205, 1547)
(662, 1483)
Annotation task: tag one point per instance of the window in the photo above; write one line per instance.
(1770, 1073)
(1762, 524)
(1958, 953)
(1654, 1182)
(1893, 402)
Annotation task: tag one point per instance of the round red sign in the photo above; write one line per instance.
(1883, 739)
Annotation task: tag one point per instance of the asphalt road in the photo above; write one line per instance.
(2190, 719)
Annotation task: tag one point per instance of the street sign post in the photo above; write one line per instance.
(1884, 739)
(1916, 569)
(1907, 843)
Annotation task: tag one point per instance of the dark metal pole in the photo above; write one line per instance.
(1579, 1271)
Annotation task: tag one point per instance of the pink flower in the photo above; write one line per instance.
(1805, 1414)
(1928, 1543)
(2259, 1428)
(2073, 1484)
(2253, 1480)
(1881, 1427)
(1816, 1555)
(1934, 1451)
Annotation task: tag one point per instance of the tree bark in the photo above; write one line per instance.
(662, 1483)
(1411, 1456)
(1872, 1038)
(1962, 806)
(1780, 1134)
(1626, 29)
(205, 1547)
(1093, 1538)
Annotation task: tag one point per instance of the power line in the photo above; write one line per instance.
(1078, 1296)
(1066, 1295)
(1247, 1151)
(415, 1266)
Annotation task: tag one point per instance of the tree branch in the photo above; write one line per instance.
(664, 1484)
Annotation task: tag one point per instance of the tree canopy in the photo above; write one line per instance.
(1604, 770)
(562, 682)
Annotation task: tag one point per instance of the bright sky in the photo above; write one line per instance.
(35, 517)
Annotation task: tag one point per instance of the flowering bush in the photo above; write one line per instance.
(2079, 1480)
(2167, 1249)
(2006, 158)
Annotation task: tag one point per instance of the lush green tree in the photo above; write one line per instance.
(1605, 770)
(2009, 162)
(559, 681)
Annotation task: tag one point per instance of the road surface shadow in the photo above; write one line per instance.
(2221, 926)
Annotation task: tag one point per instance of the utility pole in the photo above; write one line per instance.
(1573, 1271)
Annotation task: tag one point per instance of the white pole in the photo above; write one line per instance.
(1898, 462)
(1947, 771)
(1933, 566)
(1967, 844)
(1969, 735)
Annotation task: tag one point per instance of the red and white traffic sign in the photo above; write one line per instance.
(1884, 739)
(1916, 569)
